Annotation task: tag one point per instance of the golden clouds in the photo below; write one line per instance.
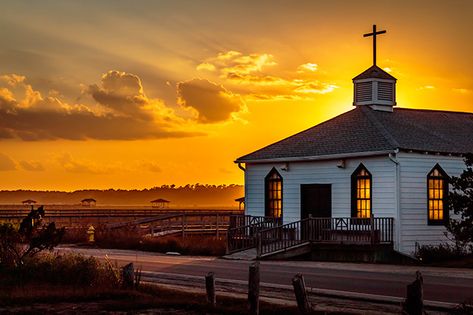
(122, 111)
(212, 102)
(73, 165)
(123, 94)
(6, 163)
(257, 77)
(311, 67)
(33, 166)
(9, 164)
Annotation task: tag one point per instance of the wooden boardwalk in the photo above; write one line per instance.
(142, 218)
(182, 224)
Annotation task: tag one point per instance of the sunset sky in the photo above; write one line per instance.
(136, 94)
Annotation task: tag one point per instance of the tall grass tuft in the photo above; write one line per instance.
(66, 269)
(191, 245)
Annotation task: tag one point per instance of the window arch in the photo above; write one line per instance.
(273, 193)
(361, 188)
(437, 193)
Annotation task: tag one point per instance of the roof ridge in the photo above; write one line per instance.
(384, 132)
(432, 110)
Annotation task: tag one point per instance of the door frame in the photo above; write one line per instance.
(314, 184)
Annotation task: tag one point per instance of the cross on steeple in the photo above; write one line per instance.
(374, 41)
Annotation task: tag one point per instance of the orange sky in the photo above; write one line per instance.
(136, 94)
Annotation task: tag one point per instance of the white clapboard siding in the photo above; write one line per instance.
(383, 172)
(414, 169)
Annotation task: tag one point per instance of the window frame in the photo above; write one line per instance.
(446, 190)
(267, 200)
(354, 188)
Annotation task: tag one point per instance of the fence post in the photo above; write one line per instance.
(414, 304)
(216, 224)
(210, 288)
(301, 294)
(253, 289)
(128, 276)
(372, 229)
(183, 224)
(259, 245)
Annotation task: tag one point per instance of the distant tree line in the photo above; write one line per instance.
(184, 195)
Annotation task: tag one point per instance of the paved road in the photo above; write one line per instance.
(440, 284)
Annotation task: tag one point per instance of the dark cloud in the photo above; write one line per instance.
(6, 163)
(78, 125)
(212, 102)
(123, 93)
(123, 113)
(31, 166)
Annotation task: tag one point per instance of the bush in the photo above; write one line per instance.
(192, 245)
(31, 237)
(68, 269)
(440, 253)
(74, 236)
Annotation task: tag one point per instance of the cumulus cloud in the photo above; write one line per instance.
(461, 90)
(122, 112)
(205, 66)
(33, 166)
(6, 163)
(255, 76)
(73, 165)
(149, 166)
(426, 87)
(311, 67)
(122, 93)
(315, 87)
(212, 102)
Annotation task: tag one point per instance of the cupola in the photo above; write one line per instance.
(375, 87)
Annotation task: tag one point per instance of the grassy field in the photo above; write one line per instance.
(122, 239)
(50, 284)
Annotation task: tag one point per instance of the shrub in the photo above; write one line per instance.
(440, 253)
(74, 236)
(20, 243)
(192, 245)
(68, 269)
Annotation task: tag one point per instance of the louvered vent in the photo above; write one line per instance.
(364, 91)
(385, 91)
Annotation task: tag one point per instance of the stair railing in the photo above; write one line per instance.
(245, 236)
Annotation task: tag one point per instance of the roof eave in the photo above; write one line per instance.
(317, 157)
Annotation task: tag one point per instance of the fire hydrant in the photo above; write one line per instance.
(91, 234)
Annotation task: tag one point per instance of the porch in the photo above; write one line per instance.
(269, 237)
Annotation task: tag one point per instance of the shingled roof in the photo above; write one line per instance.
(365, 130)
(374, 72)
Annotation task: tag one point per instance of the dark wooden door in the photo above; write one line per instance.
(316, 201)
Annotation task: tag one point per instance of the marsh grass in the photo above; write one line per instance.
(190, 245)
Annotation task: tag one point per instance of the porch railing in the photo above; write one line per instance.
(237, 220)
(243, 231)
(326, 230)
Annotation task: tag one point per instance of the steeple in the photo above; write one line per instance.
(375, 87)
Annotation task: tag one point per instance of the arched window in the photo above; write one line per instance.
(273, 192)
(437, 193)
(361, 184)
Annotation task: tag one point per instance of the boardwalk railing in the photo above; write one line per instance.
(326, 230)
(181, 224)
(121, 217)
(241, 237)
